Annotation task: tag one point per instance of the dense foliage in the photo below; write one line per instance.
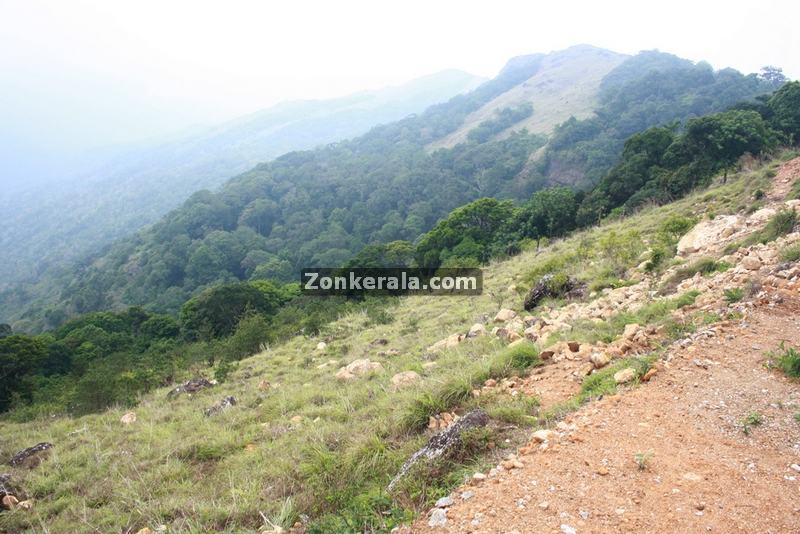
(649, 89)
(322, 207)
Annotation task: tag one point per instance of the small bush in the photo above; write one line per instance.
(734, 295)
(787, 360)
(703, 266)
(642, 459)
(752, 419)
(791, 253)
(779, 225)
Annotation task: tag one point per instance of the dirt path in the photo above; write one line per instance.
(704, 473)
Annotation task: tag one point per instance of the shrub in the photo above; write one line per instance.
(779, 225)
(734, 294)
(791, 253)
(788, 361)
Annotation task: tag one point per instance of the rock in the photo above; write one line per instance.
(438, 518)
(504, 315)
(707, 233)
(321, 346)
(220, 406)
(443, 443)
(566, 529)
(531, 333)
(599, 359)
(751, 263)
(404, 379)
(379, 342)
(429, 365)
(32, 456)
(477, 478)
(10, 502)
(625, 375)
(570, 288)
(529, 320)
(296, 420)
(585, 369)
(761, 216)
(513, 336)
(540, 436)
(467, 495)
(145, 530)
(192, 386)
(359, 368)
(9, 489)
(546, 355)
(574, 346)
(630, 331)
(128, 418)
(264, 385)
(649, 374)
(444, 502)
(447, 343)
(476, 330)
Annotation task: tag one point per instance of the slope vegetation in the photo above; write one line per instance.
(311, 447)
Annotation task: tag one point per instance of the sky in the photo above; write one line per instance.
(79, 75)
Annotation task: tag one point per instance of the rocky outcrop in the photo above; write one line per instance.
(192, 386)
(220, 406)
(708, 232)
(32, 456)
(442, 444)
(549, 286)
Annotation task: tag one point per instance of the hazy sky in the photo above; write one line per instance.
(75, 74)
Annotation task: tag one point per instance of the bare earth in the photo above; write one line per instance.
(704, 473)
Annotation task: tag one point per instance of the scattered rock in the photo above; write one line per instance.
(751, 263)
(599, 359)
(540, 436)
(10, 502)
(504, 315)
(404, 379)
(544, 505)
(221, 406)
(476, 330)
(32, 456)
(438, 518)
(467, 495)
(359, 368)
(477, 478)
(128, 418)
(145, 530)
(625, 375)
(192, 386)
(649, 374)
(447, 343)
(443, 443)
(444, 502)
(321, 346)
(574, 346)
(547, 355)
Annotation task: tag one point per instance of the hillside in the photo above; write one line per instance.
(566, 85)
(53, 226)
(304, 449)
(322, 207)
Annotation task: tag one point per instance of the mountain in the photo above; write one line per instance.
(567, 85)
(52, 225)
(321, 207)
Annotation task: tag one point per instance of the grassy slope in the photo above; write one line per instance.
(566, 86)
(176, 467)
